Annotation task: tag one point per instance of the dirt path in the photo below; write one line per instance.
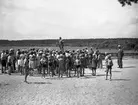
(88, 90)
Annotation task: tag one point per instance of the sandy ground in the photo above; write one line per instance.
(88, 90)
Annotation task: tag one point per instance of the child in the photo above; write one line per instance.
(61, 65)
(21, 64)
(26, 67)
(83, 64)
(100, 64)
(109, 66)
(3, 61)
(44, 63)
(10, 63)
(106, 60)
(94, 64)
(38, 64)
(31, 63)
(77, 65)
(68, 65)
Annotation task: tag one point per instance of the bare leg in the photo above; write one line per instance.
(27, 71)
(107, 74)
(2, 69)
(78, 72)
(110, 74)
(9, 70)
(94, 72)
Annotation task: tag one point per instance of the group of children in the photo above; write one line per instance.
(53, 62)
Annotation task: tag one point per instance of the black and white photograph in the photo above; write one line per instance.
(68, 52)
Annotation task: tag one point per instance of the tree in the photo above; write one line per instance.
(127, 2)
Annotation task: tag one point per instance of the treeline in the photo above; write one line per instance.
(127, 43)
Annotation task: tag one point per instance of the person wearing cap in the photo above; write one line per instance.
(120, 55)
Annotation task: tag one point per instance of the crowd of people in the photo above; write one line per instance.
(53, 62)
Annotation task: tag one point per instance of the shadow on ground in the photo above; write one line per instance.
(116, 71)
(130, 67)
(39, 82)
(87, 77)
(58, 78)
(121, 79)
(4, 84)
(100, 75)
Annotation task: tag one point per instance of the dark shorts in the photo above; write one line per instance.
(9, 64)
(109, 67)
(3, 63)
(77, 66)
(93, 67)
(44, 65)
(50, 63)
(26, 69)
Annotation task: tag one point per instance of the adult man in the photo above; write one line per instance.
(61, 44)
(120, 55)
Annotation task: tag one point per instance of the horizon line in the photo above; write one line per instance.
(67, 39)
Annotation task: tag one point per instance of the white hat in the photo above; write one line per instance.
(109, 55)
(105, 53)
(119, 46)
(11, 49)
(40, 52)
(78, 50)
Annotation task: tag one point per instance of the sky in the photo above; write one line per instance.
(50, 19)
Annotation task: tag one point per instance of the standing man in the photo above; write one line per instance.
(120, 55)
(61, 44)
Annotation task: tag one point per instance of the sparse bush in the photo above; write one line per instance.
(136, 48)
